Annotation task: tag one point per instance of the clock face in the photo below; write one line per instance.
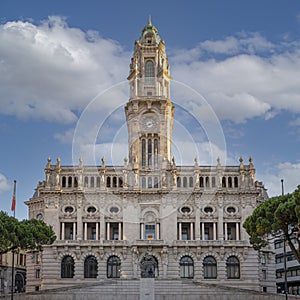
(149, 123)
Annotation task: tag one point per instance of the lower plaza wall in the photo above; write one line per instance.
(149, 289)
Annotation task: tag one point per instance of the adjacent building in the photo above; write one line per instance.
(289, 274)
(149, 217)
(6, 272)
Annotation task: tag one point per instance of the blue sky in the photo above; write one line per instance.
(63, 65)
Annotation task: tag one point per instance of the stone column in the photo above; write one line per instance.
(192, 230)
(142, 231)
(62, 230)
(214, 231)
(180, 231)
(225, 231)
(108, 231)
(85, 231)
(120, 236)
(203, 231)
(97, 231)
(74, 231)
(237, 228)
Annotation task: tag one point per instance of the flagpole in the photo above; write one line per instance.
(13, 208)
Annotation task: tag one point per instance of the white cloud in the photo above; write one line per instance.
(244, 86)
(51, 71)
(243, 42)
(4, 184)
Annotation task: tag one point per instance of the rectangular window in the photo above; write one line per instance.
(232, 234)
(150, 232)
(114, 231)
(186, 231)
(37, 273)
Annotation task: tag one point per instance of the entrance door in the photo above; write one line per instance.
(149, 266)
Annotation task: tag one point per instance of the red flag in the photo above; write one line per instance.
(13, 203)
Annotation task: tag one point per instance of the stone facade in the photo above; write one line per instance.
(149, 218)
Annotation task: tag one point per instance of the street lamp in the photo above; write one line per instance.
(284, 254)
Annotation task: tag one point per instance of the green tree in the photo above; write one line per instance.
(26, 235)
(277, 216)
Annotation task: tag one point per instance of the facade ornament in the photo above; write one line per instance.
(164, 180)
(47, 172)
(173, 162)
(80, 173)
(241, 163)
(198, 252)
(251, 163)
(218, 162)
(124, 252)
(196, 161)
(135, 261)
(136, 178)
(101, 252)
(103, 162)
(57, 170)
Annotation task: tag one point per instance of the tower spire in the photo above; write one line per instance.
(149, 20)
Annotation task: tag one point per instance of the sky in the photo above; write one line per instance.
(63, 67)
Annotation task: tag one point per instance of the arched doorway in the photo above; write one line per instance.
(19, 283)
(149, 266)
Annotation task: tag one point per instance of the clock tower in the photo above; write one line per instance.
(149, 111)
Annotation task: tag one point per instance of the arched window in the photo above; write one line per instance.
(178, 182)
(20, 282)
(75, 182)
(92, 182)
(143, 152)
(98, 181)
(213, 182)
(120, 182)
(149, 69)
(186, 267)
(90, 267)
(223, 182)
(184, 182)
(191, 182)
(113, 267)
(86, 181)
(67, 267)
(207, 182)
(233, 267)
(70, 181)
(63, 181)
(236, 182)
(150, 182)
(201, 182)
(209, 267)
(108, 182)
(156, 182)
(114, 181)
(230, 182)
(143, 182)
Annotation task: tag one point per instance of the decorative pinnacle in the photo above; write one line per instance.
(149, 20)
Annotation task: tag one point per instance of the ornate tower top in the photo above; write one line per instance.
(149, 34)
(149, 73)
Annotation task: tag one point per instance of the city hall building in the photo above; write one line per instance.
(149, 218)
